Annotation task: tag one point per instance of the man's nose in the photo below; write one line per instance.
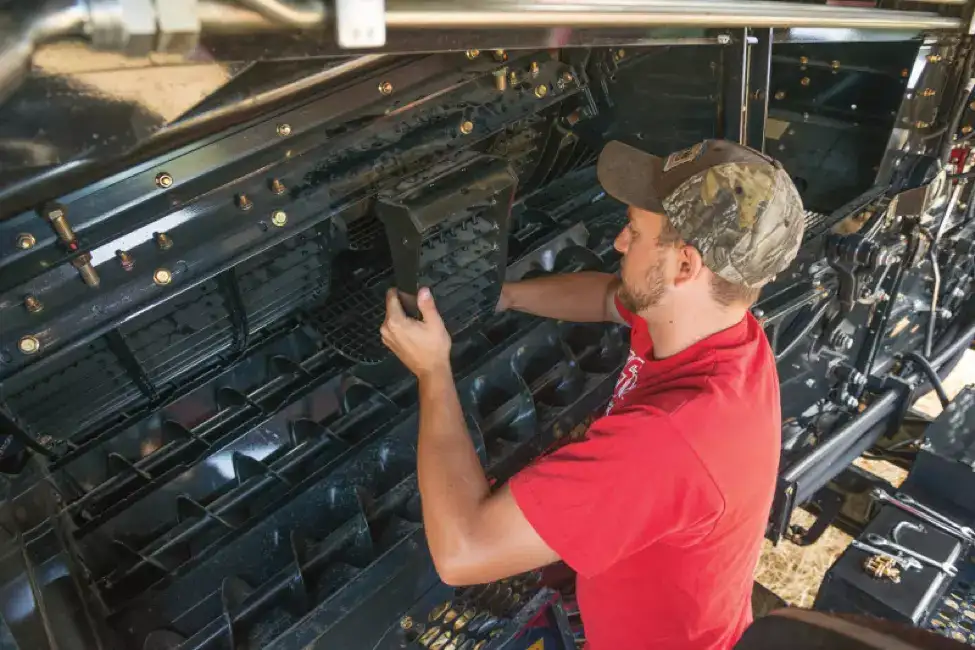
(622, 242)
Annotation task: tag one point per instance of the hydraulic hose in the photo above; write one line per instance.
(932, 375)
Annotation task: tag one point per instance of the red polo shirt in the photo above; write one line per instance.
(661, 510)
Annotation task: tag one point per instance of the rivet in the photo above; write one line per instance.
(541, 90)
(125, 259)
(163, 241)
(284, 130)
(28, 345)
(804, 81)
(32, 304)
(467, 127)
(473, 54)
(385, 88)
(25, 241)
(780, 95)
(162, 277)
(277, 187)
(279, 218)
(501, 79)
(164, 180)
(243, 202)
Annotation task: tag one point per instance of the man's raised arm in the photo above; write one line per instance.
(585, 297)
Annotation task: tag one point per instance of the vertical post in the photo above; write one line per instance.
(759, 79)
(734, 73)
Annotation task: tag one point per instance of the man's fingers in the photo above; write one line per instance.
(394, 308)
(424, 301)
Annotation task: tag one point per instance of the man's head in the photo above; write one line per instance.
(711, 223)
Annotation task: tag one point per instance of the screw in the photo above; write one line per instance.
(934, 58)
(473, 54)
(467, 127)
(243, 202)
(162, 277)
(501, 79)
(163, 241)
(533, 68)
(25, 241)
(780, 95)
(804, 81)
(541, 91)
(86, 270)
(125, 259)
(385, 88)
(28, 345)
(279, 218)
(32, 304)
(277, 187)
(57, 215)
(164, 180)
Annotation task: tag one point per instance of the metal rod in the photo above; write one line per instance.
(594, 13)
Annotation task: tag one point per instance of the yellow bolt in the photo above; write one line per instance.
(501, 79)
(920, 124)
(934, 58)
(803, 60)
(513, 77)
(406, 623)
(533, 68)
(473, 54)
(164, 180)
(541, 91)
(385, 88)
(467, 127)
(835, 65)
(279, 218)
(25, 241)
(966, 129)
(28, 345)
(620, 53)
(162, 277)
(500, 55)
(780, 95)
(804, 81)
(928, 92)
(32, 304)
(284, 130)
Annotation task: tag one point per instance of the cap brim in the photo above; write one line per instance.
(630, 175)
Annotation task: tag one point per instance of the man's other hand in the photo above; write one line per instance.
(422, 345)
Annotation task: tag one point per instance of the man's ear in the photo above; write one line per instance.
(690, 264)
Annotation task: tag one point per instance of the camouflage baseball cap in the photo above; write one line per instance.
(737, 206)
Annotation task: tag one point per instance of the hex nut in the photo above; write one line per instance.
(162, 277)
(164, 180)
(284, 130)
(25, 241)
(279, 218)
(28, 345)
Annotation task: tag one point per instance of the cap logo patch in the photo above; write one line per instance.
(683, 156)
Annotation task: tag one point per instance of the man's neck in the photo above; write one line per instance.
(679, 329)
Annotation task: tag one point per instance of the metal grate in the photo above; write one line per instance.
(955, 615)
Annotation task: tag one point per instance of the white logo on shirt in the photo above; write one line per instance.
(627, 379)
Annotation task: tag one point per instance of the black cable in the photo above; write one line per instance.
(932, 375)
(814, 320)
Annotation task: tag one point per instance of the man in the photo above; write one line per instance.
(662, 508)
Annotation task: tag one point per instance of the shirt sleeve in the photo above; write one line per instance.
(631, 482)
(625, 313)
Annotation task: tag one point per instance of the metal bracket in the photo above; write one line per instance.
(360, 23)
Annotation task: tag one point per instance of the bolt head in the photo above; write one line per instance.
(28, 345)
(163, 241)
(473, 54)
(284, 130)
(406, 623)
(620, 53)
(541, 91)
(277, 187)
(26, 241)
(162, 277)
(780, 95)
(385, 88)
(467, 127)
(32, 304)
(534, 68)
(805, 81)
(243, 202)
(279, 218)
(164, 180)
(125, 260)
(724, 39)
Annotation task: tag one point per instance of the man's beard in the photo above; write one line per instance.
(637, 299)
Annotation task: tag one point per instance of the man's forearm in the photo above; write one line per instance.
(583, 297)
(451, 479)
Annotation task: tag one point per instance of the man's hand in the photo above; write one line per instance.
(422, 345)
